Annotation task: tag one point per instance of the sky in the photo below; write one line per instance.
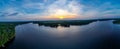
(17, 10)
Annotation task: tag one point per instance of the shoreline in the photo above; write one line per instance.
(8, 43)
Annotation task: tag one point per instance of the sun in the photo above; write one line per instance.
(61, 17)
(62, 14)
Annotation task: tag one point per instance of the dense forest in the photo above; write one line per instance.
(7, 32)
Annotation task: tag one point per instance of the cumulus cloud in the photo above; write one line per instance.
(64, 7)
(57, 7)
(105, 10)
(34, 5)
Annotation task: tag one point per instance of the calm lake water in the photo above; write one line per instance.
(96, 35)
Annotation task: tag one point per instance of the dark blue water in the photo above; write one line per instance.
(96, 35)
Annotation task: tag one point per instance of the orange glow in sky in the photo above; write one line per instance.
(62, 14)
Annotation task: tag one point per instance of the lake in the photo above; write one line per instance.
(96, 35)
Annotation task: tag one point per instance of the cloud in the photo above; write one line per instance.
(9, 12)
(13, 14)
(72, 7)
(105, 10)
(30, 10)
(34, 5)
(84, 11)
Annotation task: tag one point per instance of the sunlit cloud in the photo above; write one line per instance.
(58, 9)
(63, 9)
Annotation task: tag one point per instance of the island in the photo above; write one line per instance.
(116, 22)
